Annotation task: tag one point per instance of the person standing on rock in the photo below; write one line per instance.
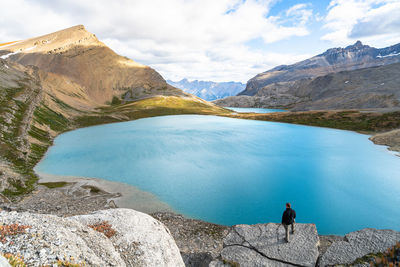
(288, 219)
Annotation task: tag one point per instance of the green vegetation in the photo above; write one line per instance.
(52, 185)
(115, 101)
(150, 107)
(231, 263)
(366, 122)
(45, 116)
(388, 258)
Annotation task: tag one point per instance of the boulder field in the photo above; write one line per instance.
(124, 237)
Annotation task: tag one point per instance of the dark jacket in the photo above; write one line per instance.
(288, 216)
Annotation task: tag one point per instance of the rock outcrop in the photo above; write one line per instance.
(358, 244)
(391, 139)
(139, 240)
(264, 245)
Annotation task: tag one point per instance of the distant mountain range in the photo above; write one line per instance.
(208, 90)
(356, 76)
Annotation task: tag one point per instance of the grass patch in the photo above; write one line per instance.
(367, 122)
(39, 134)
(52, 185)
(45, 116)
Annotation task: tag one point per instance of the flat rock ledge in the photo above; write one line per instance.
(264, 245)
(358, 244)
(140, 240)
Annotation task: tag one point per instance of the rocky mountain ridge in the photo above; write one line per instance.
(209, 90)
(333, 60)
(367, 88)
(355, 77)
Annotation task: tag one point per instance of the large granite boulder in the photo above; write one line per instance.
(264, 245)
(140, 239)
(358, 244)
(50, 238)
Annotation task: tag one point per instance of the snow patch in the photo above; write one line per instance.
(14, 53)
(389, 55)
(9, 54)
(346, 81)
(6, 66)
(30, 48)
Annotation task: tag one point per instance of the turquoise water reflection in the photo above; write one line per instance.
(232, 171)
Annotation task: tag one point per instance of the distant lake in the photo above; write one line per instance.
(255, 110)
(231, 171)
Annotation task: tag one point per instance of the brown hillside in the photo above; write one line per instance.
(78, 55)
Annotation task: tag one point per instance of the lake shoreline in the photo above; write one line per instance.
(121, 194)
(198, 241)
(142, 170)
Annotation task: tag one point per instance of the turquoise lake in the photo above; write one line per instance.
(231, 171)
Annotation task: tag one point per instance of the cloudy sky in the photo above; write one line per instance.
(219, 40)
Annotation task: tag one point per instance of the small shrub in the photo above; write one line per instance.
(115, 101)
(390, 258)
(69, 263)
(11, 229)
(15, 260)
(103, 227)
(52, 185)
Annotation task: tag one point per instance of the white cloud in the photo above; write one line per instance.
(376, 22)
(196, 39)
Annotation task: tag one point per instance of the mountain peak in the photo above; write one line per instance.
(357, 46)
(55, 42)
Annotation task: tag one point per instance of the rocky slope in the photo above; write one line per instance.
(375, 87)
(66, 80)
(353, 57)
(208, 90)
(357, 76)
(124, 237)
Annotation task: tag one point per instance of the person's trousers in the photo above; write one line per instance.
(287, 230)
